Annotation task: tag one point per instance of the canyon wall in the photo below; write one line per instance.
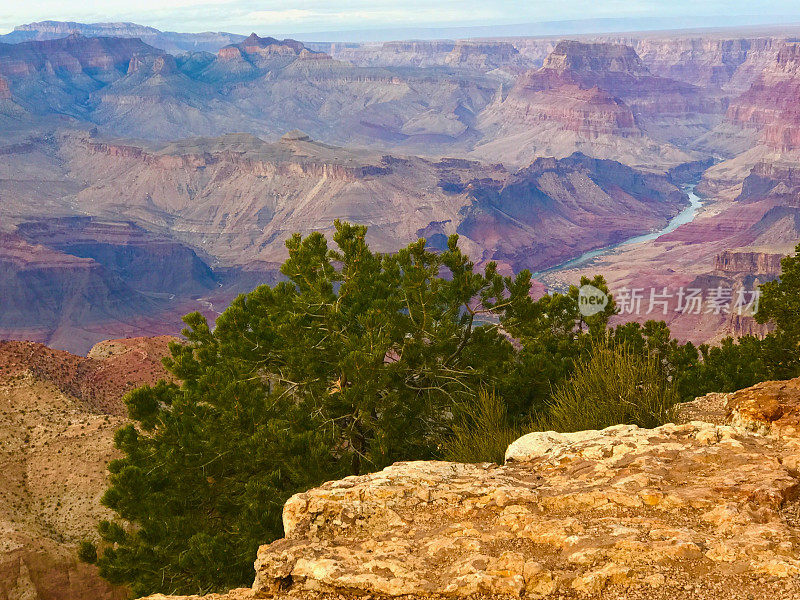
(770, 104)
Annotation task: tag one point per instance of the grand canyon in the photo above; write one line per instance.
(147, 174)
(127, 160)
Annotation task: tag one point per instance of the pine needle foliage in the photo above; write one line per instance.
(615, 386)
(482, 431)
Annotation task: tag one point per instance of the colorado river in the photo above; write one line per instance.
(687, 215)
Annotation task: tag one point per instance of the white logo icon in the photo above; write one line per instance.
(591, 300)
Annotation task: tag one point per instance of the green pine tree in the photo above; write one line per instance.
(359, 359)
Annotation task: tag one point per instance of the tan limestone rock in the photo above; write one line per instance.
(596, 512)
(771, 407)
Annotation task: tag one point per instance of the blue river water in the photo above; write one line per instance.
(687, 215)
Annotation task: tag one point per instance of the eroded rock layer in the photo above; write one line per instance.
(698, 504)
(770, 105)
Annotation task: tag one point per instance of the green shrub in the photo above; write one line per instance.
(87, 552)
(614, 386)
(481, 431)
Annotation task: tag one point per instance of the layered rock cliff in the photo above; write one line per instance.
(770, 105)
(70, 281)
(727, 63)
(749, 263)
(74, 54)
(257, 49)
(58, 76)
(98, 380)
(778, 180)
(594, 97)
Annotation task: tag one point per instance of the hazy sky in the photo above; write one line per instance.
(265, 16)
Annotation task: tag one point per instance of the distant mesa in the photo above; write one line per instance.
(254, 46)
(295, 135)
(167, 41)
(581, 57)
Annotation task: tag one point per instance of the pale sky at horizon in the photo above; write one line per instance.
(265, 16)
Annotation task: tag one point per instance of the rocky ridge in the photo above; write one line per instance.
(168, 41)
(58, 415)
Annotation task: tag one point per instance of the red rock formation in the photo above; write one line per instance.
(112, 368)
(157, 65)
(596, 60)
(257, 49)
(732, 262)
(619, 70)
(372, 189)
(547, 96)
(238, 198)
(597, 90)
(286, 163)
(71, 302)
(770, 105)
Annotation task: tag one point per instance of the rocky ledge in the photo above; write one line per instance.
(690, 510)
(771, 408)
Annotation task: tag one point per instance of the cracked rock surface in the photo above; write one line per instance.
(619, 509)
